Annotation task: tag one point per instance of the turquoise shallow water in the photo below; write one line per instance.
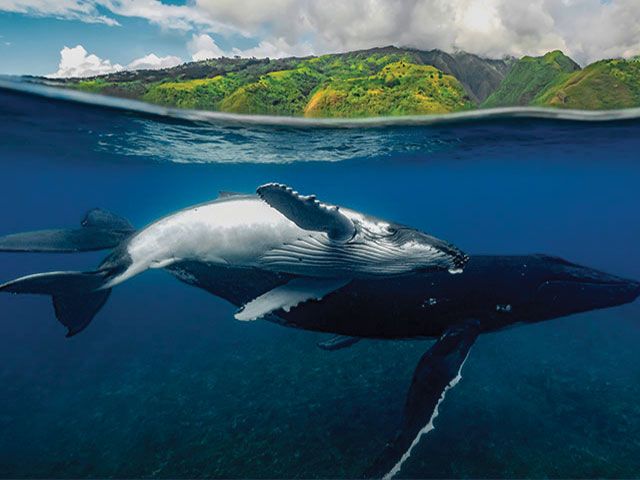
(164, 383)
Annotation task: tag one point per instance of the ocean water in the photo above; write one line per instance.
(165, 384)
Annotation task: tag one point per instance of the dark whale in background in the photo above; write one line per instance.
(492, 293)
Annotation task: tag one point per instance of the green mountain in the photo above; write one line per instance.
(328, 86)
(607, 84)
(399, 88)
(529, 77)
(380, 81)
(480, 76)
(375, 82)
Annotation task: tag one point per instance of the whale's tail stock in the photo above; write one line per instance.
(77, 296)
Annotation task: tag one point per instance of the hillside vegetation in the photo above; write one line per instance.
(607, 84)
(376, 82)
(326, 86)
(530, 76)
(400, 88)
(384, 81)
(554, 80)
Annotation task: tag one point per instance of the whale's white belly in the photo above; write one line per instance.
(233, 232)
(248, 232)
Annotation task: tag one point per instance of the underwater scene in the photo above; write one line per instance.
(165, 383)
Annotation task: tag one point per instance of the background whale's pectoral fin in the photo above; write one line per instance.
(307, 212)
(100, 230)
(437, 371)
(338, 342)
(61, 241)
(287, 296)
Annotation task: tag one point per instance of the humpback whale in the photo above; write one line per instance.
(490, 294)
(276, 230)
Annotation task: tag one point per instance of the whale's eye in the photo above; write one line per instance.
(392, 231)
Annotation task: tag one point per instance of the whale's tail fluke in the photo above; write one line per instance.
(77, 296)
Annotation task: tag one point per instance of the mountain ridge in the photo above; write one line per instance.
(382, 81)
(528, 77)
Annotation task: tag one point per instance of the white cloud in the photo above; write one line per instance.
(585, 29)
(276, 48)
(607, 30)
(274, 18)
(85, 11)
(77, 62)
(153, 62)
(203, 46)
(175, 17)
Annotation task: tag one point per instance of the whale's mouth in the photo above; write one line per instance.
(454, 259)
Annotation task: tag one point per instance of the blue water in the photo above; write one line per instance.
(164, 383)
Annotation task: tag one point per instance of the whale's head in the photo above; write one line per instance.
(426, 252)
(561, 288)
(342, 242)
(373, 247)
(393, 248)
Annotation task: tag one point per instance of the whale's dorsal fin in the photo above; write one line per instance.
(287, 296)
(228, 194)
(307, 212)
(99, 218)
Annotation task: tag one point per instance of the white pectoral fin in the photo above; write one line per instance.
(287, 296)
(307, 212)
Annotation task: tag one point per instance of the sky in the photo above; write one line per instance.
(89, 37)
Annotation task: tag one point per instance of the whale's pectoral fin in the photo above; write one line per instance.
(338, 342)
(437, 371)
(100, 230)
(289, 295)
(307, 212)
